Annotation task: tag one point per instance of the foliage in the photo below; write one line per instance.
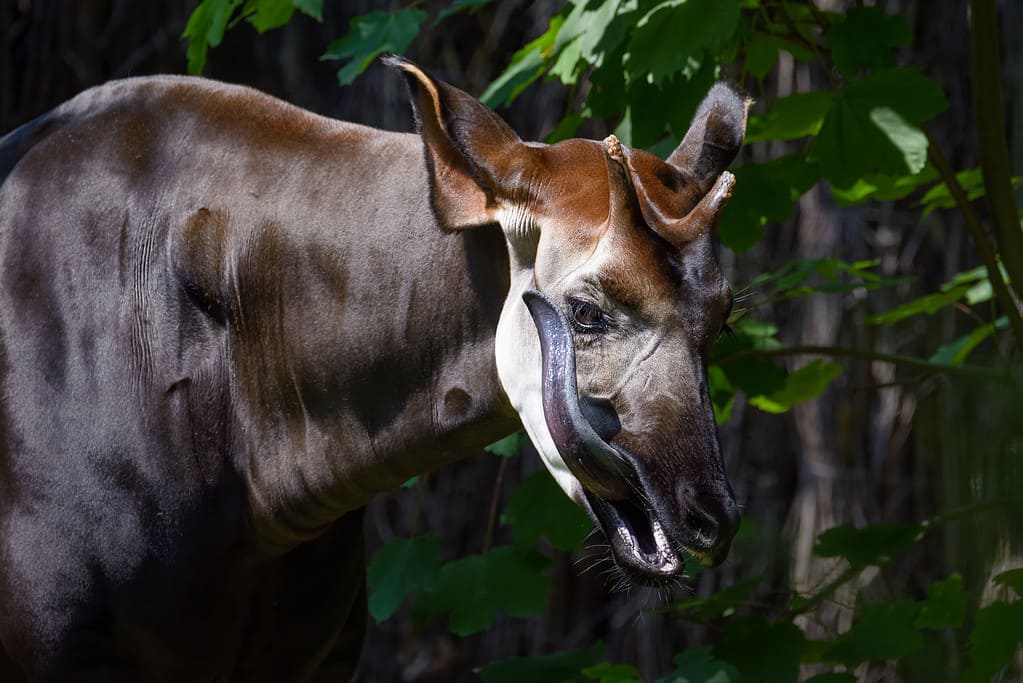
(644, 65)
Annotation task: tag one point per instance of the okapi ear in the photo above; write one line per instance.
(469, 149)
(714, 137)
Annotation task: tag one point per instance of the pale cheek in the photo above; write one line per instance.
(519, 370)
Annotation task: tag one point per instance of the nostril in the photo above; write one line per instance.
(712, 520)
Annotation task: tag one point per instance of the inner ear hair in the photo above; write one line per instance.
(715, 135)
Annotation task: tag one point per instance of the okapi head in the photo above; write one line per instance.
(615, 301)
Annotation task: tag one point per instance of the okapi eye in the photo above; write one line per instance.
(587, 317)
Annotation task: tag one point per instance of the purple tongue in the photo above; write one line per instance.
(598, 467)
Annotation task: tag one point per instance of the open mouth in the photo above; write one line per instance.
(637, 539)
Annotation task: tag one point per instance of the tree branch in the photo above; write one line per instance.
(990, 127)
(1006, 297)
(970, 371)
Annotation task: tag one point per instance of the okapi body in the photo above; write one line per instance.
(227, 323)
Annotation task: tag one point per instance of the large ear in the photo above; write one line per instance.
(714, 136)
(469, 150)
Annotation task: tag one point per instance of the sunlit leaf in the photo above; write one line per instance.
(883, 632)
(722, 393)
(673, 35)
(871, 545)
(268, 14)
(871, 127)
(205, 29)
(527, 65)
(879, 187)
(791, 117)
(538, 507)
(402, 566)
(506, 447)
(372, 34)
(956, 353)
(805, 384)
(929, 304)
(560, 667)
(312, 8)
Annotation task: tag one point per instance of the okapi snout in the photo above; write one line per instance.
(710, 519)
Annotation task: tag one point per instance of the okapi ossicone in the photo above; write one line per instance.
(227, 323)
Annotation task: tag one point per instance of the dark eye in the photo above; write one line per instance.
(587, 317)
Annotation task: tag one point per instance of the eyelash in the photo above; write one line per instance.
(601, 322)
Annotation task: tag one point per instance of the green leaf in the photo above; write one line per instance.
(268, 14)
(1013, 578)
(805, 384)
(871, 545)
(698, 665)
(764, 193)
(591, 30)
(606, 672)
(883, 632)
(958, 351)
(996, 637)
(409, 483)
(460, 6)
(473, 589)
(832, 677)
(526, 66)
(400, 567)
(720, 604)
(373, 34)
(761, 54)
(791, 117)
(673, 36)
(312, 8)
(755, 375)
(538, 507)
(949, 292)
(945, 605)
(870, 128)
(972, 182)
(506, 447)
(883, 188)
(205, 29)
(722, 393)
(555, 668)
(866, 38)
(762, 651)
(907, 138)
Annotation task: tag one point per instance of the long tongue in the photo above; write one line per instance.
(598, 467)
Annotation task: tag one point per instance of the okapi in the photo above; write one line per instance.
(227, 323)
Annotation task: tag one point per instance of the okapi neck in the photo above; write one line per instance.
(362, 365)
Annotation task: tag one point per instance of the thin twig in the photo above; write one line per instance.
(972, 371)
(985, 250)
(492, 519)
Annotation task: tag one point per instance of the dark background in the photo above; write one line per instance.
(881, 445)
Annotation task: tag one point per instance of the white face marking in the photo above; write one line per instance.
(519, 361)
(519, 369)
